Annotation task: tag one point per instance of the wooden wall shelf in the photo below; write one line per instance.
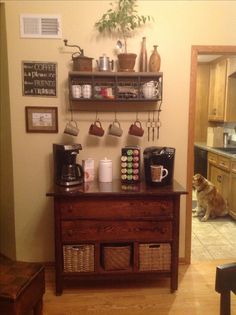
(115, 86)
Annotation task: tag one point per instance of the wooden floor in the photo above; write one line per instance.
(141, 296)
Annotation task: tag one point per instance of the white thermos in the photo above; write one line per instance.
(105, 171)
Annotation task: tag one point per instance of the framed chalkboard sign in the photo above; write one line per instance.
(39, 78)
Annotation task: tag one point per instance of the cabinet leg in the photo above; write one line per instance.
(59, 287)
(225, 303)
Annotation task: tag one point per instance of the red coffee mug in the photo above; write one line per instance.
(96, 129)
(136, 129)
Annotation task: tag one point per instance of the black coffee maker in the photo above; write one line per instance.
(66, 171)
(159, 165)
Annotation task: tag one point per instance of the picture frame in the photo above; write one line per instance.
(41, 119)
(39, 79)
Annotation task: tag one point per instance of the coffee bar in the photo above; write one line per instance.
(108, 225)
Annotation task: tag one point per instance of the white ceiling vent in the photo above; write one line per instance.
(40, 26)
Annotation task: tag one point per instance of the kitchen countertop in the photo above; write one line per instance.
(203, 146)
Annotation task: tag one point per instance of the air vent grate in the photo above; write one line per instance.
(40, 26)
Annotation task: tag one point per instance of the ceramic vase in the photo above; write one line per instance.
(155, 60)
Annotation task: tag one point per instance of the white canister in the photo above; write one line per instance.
(105, 171)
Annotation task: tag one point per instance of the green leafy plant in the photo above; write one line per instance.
(122, 19)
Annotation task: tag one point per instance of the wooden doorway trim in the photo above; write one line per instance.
(196, 50)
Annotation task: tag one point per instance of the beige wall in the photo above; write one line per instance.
(7, 215)
(178, 25)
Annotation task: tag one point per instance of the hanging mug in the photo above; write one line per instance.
(96, 129)
(136, 129)
(115, 129)
(71, 128)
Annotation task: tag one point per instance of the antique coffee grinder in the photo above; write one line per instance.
(66, 170)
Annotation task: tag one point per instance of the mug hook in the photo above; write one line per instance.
(96, 117)
(71, 114)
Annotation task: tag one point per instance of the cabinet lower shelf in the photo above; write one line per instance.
(116, 257)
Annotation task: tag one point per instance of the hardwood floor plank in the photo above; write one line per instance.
(140, 296)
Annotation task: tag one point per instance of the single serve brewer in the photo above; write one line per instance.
(159, 165)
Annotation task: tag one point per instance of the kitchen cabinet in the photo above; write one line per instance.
(233, 189)
(222, 173)
(219, 174)
(122, 230)
(222, 91)
(230, 112)
(116, 86)
(221, 179)
(217, 91)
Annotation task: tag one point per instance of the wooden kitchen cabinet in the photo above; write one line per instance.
(222, 92)
(126, 229)
(233, 189)
(221, 179)
(217, 91)
(220, 174)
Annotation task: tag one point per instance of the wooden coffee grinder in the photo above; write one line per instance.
(80, 62)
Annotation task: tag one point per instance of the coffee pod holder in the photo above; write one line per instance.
(130, 165)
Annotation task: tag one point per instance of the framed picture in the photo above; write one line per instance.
(39, 78)
(41, 119)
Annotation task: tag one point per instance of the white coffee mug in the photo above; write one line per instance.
(86, 91)
(76, 91)
(158, 172)
(150, 92)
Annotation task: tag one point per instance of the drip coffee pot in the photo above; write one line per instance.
(66, 170)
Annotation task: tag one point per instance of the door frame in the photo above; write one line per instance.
(195, 51)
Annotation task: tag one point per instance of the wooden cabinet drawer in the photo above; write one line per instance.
(116, 209)
(212, 158)
(87, 230)
(224, 162)
(233, 166)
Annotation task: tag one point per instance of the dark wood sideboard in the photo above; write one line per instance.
(113, 229)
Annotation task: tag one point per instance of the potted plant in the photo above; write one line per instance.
(122, 20)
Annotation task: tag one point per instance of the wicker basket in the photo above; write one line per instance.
(116, 257)
(154, 257)
(78, 258)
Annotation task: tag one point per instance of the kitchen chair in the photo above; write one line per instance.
(225, 282)
(22, 286)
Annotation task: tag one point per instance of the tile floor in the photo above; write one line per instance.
(214, 239)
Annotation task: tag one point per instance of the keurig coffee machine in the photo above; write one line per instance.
(159, 165)
(66, 171)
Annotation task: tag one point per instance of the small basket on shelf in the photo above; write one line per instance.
(116, 257)
(78, 258)
(154, 257)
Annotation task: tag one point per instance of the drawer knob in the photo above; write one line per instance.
(219, 178)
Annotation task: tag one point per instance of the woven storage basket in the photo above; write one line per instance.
(78, 258)
(116, 257)
(154, 257)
